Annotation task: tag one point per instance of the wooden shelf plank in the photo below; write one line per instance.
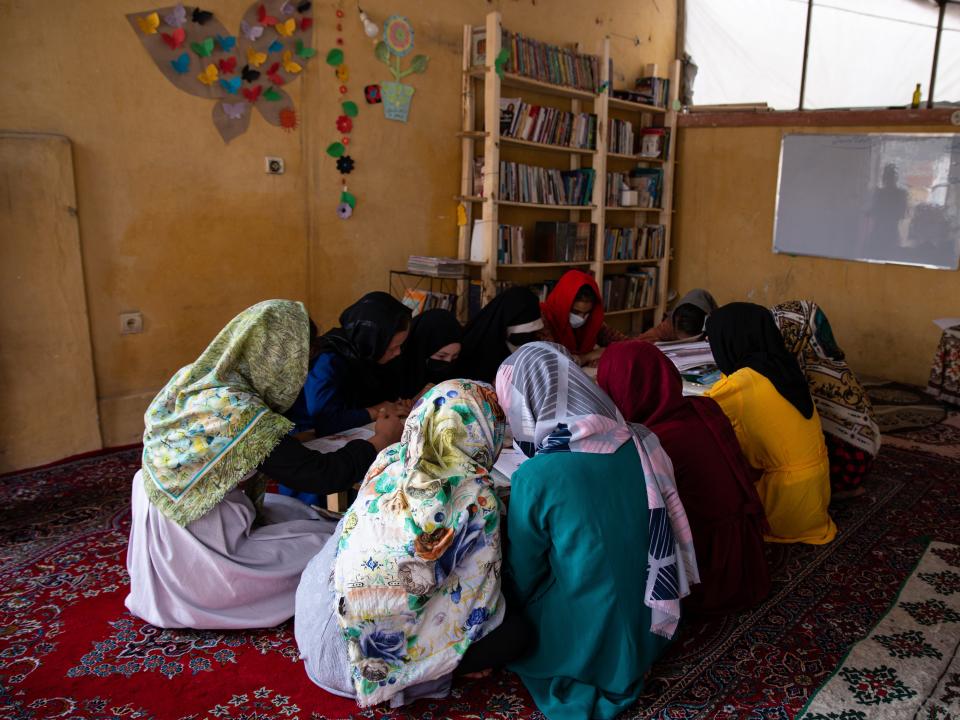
(520, 81)
(544, 264)
(546, 146)
(511, 203)
(635, 107)
(641, 261)
(621, 208)
(634, 158)
(630, 311)
(470, 198)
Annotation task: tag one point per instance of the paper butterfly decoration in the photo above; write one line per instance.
(195, 52)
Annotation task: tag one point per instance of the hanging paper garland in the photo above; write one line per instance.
(344, 125)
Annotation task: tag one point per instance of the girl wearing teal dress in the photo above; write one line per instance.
(599, 550)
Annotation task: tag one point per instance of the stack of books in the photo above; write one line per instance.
(644, 242)
(541, 61)
(616, 182)
(694, 360)
(562, 241)
(436, 266)
(547, 125)
(652, 91)
(420, 300)
(622, 139)
(545, 186)
(648, 182)
(630, 290)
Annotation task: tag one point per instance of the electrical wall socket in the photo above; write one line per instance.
(131, 323)
(273, 165)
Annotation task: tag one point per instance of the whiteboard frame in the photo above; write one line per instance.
(776, 203)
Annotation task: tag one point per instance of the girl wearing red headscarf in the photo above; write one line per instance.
(573, 317)
(714, 480)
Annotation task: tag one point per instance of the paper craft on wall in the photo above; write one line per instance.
(397, 42)
(347, 202)
(242, 72)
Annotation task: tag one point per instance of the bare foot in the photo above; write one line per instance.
(479, 675)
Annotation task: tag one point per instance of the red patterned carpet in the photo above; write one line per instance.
(68, 648)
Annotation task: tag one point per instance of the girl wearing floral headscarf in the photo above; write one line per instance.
(414, 588)
(600, 550)
(206, 552)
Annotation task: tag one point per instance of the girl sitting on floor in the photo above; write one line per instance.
(714, 480)
(766, 397)
(686, 321)
(408, 589)
(849, 427)
(505, 323)
(430, 352)
(208, 550)
(599, 550)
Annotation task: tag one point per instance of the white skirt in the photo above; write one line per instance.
(219, 572)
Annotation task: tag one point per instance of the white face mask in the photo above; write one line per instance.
(577, 321)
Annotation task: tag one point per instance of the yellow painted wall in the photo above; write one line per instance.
(189, 231)
(726, 188)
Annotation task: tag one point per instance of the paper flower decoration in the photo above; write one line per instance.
(344, 211)
(345, 165)
(343, 73)
(194, 51)
(344, 124)
(372, 94)
(398, 35)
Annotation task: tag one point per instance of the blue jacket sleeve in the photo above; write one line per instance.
(325, 402)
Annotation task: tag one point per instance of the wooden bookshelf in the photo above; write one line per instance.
(480, 135)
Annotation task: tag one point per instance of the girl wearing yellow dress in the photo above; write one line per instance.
(765, 395)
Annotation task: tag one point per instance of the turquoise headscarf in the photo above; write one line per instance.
(218, 418)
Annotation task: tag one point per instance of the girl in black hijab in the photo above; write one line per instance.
(508, 321)
(745, 335)
(429, 354)
(346, 384)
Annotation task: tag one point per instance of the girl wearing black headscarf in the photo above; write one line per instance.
(508, 321)
(429, 354)
(346, 384)
(765, 396)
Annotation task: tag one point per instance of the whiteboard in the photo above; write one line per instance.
(884, 198)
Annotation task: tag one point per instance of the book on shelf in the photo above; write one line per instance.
(436, 266)
(541, 289)
(652, 91)
(421, 300)
(540, 61)
(643, 242)
(630, 290)
(478, 163)
(562, 241)
(511, 245)
(545, 186)
(479, 250)
(648, 182)
(622, 137)
(547, 125)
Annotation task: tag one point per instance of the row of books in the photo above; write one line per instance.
(649, 142)
(648, 182)
(647, 91)
(540, 61)
(545, 186)
(551, 242)
(547, 125)
(541, 290)
(436, 266)
(630, 290)
(644, 242)
(421, 300)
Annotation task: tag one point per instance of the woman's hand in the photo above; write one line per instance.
(387, 430)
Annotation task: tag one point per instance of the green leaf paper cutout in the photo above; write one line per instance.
(335, 57)
(350, 108)
(306, 52)
(335, 149)
(419, 63)
(348, 198)
(382, 52)
(272, 95)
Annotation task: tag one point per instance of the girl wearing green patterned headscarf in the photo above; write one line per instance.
(215, 423)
